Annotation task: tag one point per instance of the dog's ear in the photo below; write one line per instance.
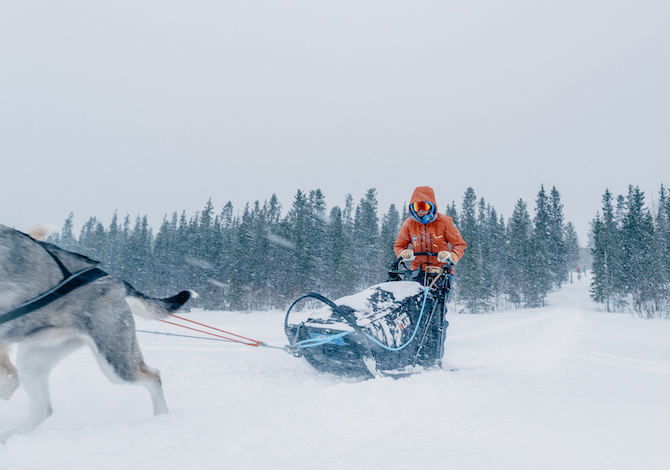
(41, 232)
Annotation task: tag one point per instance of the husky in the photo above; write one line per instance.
(54, 301)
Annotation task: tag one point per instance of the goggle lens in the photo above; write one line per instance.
(421, 206)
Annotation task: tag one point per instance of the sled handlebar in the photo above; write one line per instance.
(418, 253)
(394, 266)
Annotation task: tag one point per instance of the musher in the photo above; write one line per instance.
(427, 230)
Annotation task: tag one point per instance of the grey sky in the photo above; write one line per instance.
(147, 107)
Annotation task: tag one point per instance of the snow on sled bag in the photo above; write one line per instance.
(390, 329)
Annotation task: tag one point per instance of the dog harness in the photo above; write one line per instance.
(69, 283)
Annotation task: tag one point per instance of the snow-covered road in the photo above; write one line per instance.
(562, 387)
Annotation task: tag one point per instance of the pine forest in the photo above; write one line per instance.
(631, 254)
(262, 257)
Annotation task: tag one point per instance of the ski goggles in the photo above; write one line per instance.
(421, 206)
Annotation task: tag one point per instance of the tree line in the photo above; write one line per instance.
(630, 244)
(260, 258)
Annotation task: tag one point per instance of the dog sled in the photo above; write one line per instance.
(396, 328)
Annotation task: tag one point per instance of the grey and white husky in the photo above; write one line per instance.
(52, 302)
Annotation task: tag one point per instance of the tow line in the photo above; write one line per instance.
(241, 339)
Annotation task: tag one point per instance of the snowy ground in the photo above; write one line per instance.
(562, 387)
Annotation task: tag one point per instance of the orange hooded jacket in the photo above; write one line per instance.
(435, 236)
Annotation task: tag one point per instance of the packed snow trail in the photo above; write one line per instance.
(561, 387)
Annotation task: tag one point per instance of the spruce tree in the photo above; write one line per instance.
(571, 247)
(162, 257)
(452, 211)
(640, 255)
(318, 240)
(92, 240)
(99, 242)
(203, 252)
(367, 250)
(405, 213)
(471, 287)
(662, 223)
(484, 236)
(228, 228)
(67, 238)
(388, 235)
(85, 237)
(663, 242)
(537, 274)
(518, 236)
(497, 254)
(114, 247)
(606, 279)
(343, 274)
(299, 220)
(273, 263)
(556, 246)
(182, 242)
(137, 266)
(241, 266)
(537, 281)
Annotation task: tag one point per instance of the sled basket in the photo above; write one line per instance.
(390, 329)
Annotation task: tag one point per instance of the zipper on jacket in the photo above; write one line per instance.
(425, 242)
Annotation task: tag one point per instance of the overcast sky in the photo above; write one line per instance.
(151, 107)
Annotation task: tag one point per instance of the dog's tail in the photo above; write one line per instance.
(149, 307)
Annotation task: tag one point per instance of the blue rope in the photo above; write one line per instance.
(418, 322)
(309, 343)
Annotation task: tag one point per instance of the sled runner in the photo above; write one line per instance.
(395, 328)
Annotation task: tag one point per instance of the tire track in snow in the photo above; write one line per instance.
(526, 342)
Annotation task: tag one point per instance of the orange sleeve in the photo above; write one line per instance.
(455, 239)
(403, 240)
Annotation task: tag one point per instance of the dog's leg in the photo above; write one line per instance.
(35, 360)
(150, 379)
(9, 377)
(133, 370)
(118, 354)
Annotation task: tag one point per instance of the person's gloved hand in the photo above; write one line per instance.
(406, 254)
(444, 256)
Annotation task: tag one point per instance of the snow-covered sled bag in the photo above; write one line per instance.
(393, 329)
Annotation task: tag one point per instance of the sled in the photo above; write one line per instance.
(396, 328)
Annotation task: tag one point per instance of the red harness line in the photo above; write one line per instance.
(252, 342)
